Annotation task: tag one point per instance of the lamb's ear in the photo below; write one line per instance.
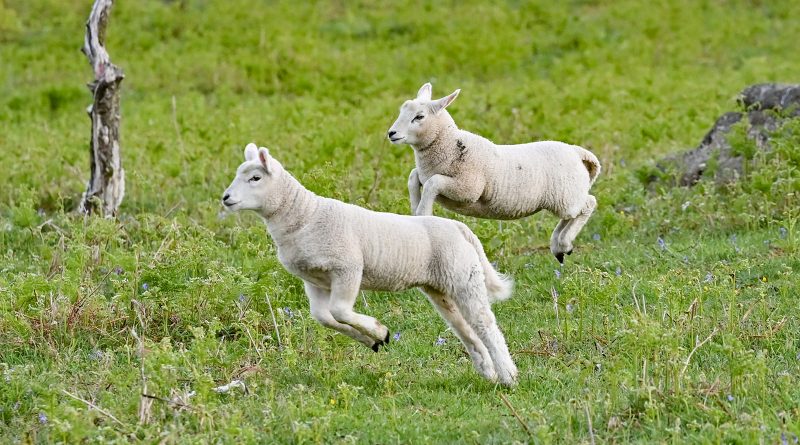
(265, 159)
(250, 152)
(440, 104)
(424, 92)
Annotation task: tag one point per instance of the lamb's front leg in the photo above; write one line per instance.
(344, 290)
(414, 190)
(319, 300)
(465, 190)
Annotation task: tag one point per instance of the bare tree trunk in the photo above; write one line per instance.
(106, 185)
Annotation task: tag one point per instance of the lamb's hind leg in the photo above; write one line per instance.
(344, 290)
(475, 347)
(319, 300)
(574, 226)
(555, 247)
(473, 303)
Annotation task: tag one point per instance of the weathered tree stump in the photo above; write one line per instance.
(766, 107)
(106, 186)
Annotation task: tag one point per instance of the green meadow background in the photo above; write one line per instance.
(674, 321)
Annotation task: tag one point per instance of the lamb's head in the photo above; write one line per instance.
(257, 183)
(421, 119)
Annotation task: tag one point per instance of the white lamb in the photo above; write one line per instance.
(469, 174)
(337, 249)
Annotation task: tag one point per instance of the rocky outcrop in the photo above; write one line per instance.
(767, 106)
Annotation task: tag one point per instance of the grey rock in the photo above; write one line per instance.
(760, 103)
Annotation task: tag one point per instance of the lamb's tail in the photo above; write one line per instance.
(498, 286)
(590, 161)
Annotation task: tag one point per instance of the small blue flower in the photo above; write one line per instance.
(558, 274)
(242, 298)
(42, 418)
(570, 308)
(709, 278)
(661, 243)
(145, 286)
(288, 312)
(396, 336)
(618, 271)
(118, 270)
(733, 239)
(784, 439)
(730, 397)
(596, 237)
(440, 341)
(96, 355)
(783, 233)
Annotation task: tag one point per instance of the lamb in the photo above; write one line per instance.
(338, 249)
(470, 175)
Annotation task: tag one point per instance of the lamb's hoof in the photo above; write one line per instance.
(377, 345)
(560, 257)
(570, 252)
(388, 337)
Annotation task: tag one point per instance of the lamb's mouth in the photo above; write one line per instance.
(229, 204)
(396, 139)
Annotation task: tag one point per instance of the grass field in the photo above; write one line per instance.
(675, 321)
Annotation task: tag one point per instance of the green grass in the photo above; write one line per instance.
(320, 84)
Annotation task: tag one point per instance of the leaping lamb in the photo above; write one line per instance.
(337, 249)
(471, 175)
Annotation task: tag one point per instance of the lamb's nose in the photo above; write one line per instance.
(392, 133)
(225, 198)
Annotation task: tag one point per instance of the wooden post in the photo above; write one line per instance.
(106, 185)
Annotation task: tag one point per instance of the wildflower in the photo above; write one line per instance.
(784, 439)
(685, 205)
(764, 279)
(145, 287)
(782, 232)
(596, 237)
(288, 312)
(396, 336)
(333, 401)
(733, 239)
(242, 298)
(42, 418)
(618, 271)
(96, 355)
(552, 345)
(570, 308)
(798, 355)
(661, 243)
(118, 270)
(709, 278)
(440, 341)
(730, 397)
(558, 274)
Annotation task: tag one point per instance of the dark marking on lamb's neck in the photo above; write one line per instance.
(462, 150)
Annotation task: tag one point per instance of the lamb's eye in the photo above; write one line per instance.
(254, 178)
(418, 117)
